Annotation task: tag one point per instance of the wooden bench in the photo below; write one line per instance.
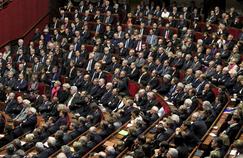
(107, 138)
(206, 140)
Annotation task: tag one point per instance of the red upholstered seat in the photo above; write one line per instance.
(64, 79)
(198, 35)
(108, 77)
(41, 88)
(202, 26)
(215, 91)
(235, 32)
(174, 30)
(89, 48)
(241, 19)
(163, 104)
(133, 88)
(182, 75)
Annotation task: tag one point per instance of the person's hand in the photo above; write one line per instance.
(157, 152)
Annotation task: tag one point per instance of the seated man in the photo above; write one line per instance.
(74, 99)
(50, 149)
(12, 107)
(122, 83)
(23, 113)
(28, 123)
(21, 84)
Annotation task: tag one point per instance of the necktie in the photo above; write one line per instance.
(70, 55)
(140, 78)
(19, 58)
(133, 71)
(98, 28)
(70, 101)
(89, 65)
(107, 20)
(104, 57)
(48, 68)
(126, 43)
(70, 73)
(36, 67)
(138, 48)
(151, 39)
(199, 86)
(100, 75)
(93, 77)
(119, 34)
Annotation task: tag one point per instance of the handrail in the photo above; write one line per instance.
(238, 136)
(143, 133)
(104, 140)
(209, 130)
(72, 141)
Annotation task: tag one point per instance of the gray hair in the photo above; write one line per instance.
(207, 105)
(66, 149)
(61, 155)
(173, 152)
(39, 146)
(51, 141)
(74, 88)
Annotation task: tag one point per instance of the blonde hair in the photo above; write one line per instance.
(225, 139)
(214, 154)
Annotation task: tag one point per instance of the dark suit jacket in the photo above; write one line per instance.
(108, 20)
(63, 96)
(71, 73)
(38, 101)
(10, 82)
(106, 98)
(12, 108)
(199, 127)
(164, 135)
(99, 28)
(75, 101)
(209, 96)
(87, 86)
(27, 125)
(46, 153)
(123, 85)
(85, 36)
(112, 104)
(154, 83)
(151, 67)
(188, 79)
(99, 93)
(98, 75)
(112, 67)
(78, 81)
(144, 79)
(21, 85)
(134, 74)
(186, 65)
(232, 131)
(107, 58)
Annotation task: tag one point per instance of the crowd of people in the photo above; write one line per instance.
(154, 46)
